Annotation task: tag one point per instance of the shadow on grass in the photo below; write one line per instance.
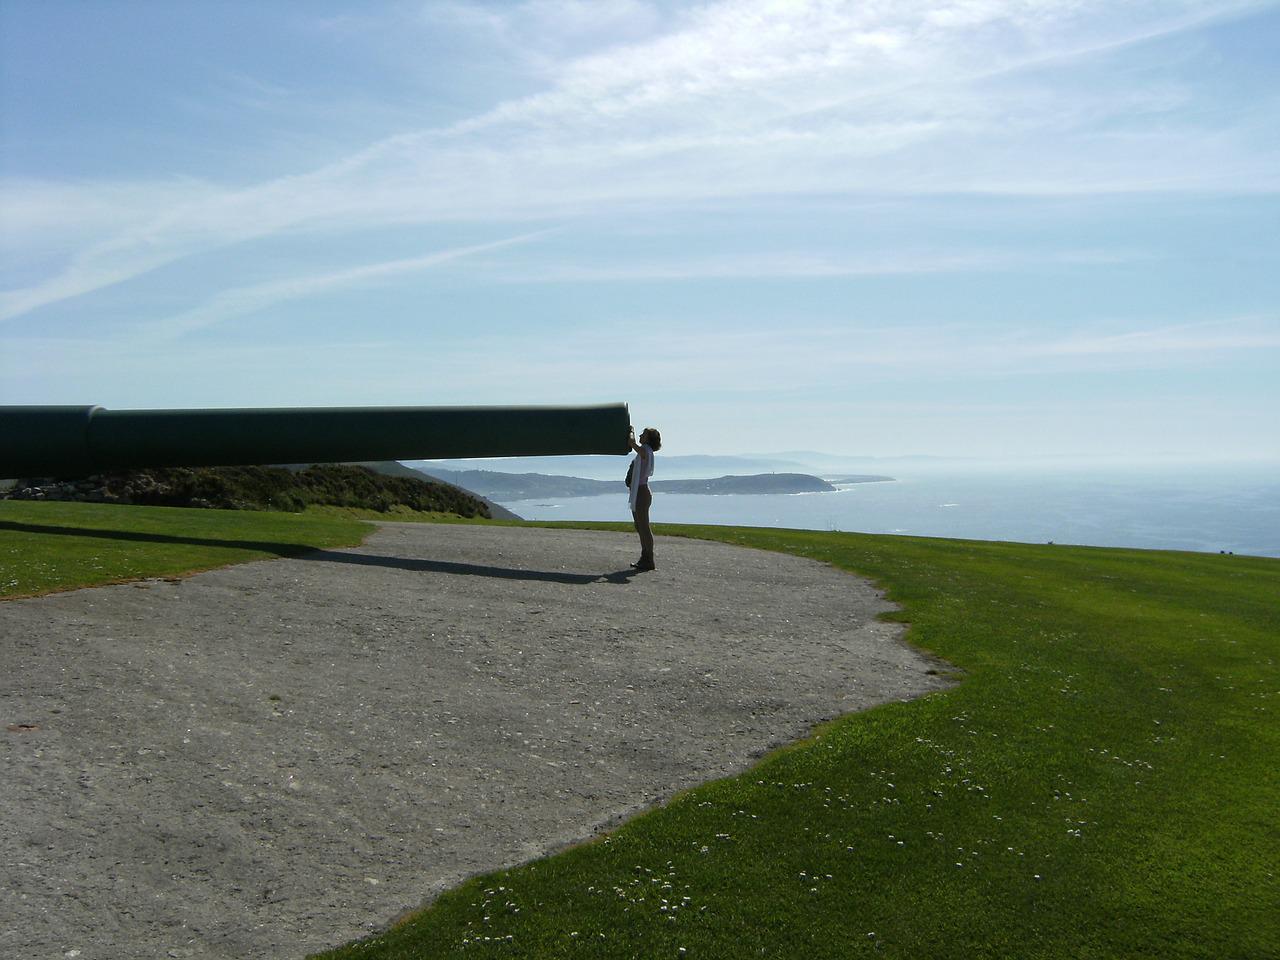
(138, 536)
(305, 552)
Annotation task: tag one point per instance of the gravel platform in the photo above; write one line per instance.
(278, 757)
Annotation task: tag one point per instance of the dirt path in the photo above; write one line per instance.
(281, 756)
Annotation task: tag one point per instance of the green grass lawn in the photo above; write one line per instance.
(1101, 784)
(58, 546)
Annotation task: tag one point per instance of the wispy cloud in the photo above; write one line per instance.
(239, 301)
(1188, 339)
(716, 362)
(727, 100)
(803, 265)
(717, 372)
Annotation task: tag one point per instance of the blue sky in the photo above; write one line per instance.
(995, 228)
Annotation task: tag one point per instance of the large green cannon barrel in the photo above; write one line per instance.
(65, 441)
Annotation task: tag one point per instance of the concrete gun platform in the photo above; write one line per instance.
(278, 757)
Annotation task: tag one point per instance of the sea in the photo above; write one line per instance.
(1214, 509)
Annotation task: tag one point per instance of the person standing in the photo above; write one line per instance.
(641, 496)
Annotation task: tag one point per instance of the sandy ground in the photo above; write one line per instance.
(278, 757)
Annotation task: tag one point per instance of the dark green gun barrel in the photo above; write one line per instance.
(72, 441)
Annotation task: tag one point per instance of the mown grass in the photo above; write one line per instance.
(45, 547)
(1102, 784)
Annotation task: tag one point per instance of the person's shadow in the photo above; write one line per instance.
(469, 569)
(300, 552)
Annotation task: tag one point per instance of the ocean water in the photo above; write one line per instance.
(1234, 509)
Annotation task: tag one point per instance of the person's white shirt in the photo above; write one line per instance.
(641, 472)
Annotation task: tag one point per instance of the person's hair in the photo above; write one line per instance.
(655, 438)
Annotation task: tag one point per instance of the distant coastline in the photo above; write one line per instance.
(1228, 509)
(531, 486)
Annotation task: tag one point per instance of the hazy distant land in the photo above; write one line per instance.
(530, 486)
(681, 467)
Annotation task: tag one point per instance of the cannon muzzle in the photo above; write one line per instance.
(74, 441)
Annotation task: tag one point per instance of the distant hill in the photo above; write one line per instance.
(689, 467)
(522, 486)
(535, 486)
(393, 469)
(756, 484)
(614, 467)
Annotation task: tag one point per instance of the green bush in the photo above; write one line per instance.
(262, 488)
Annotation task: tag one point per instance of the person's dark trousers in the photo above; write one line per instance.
(644, 500)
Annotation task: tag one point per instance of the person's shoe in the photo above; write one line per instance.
(644, 565)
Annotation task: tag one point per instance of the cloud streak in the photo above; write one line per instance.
(718, 373)
(803, 358)
(732, 99)
(803, 265)
(240, 301)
